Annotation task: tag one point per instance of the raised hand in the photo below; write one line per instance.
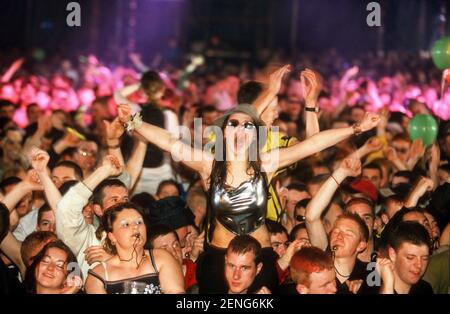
(32, 181)
(384, 117)
(95, 254)
(311, 84)
(352, 71)
(369, 121)
(351, 167)
(71, 140)
(417, 149)
(385, 268)
(390, 153)
(112, 164)
(39, 159)
(276, 78)
(72, 285)
(425, 184)
(198, 246)
(435, 154)
(114, 129)
(373, 144)
(44, 125)
(124, 113)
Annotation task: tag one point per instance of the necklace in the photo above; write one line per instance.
(132, 254)
(345, 276)
(335, 268)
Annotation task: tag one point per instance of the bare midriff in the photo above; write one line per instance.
(222, 236)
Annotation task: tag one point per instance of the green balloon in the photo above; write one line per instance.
(425, 127)
(441, 53)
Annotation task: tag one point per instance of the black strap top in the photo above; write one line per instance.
(148, 283)
(241, 210)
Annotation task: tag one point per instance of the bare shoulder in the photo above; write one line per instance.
(99, 270)
(162, 257)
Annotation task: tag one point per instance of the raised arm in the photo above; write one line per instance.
(273, 87)
(416, 152)
(134, 164)
(136, 59)
(276, 159)
(312, 85)
(11, 247)
(6, 77)
(424, 185)
(30, 184)
(391, 155)
(44, 125)
(372, 145)
(121, 95)
(433, 170)
(71, 226)
(39, 160)
(114, 131)
(194, 158)
(314, 226)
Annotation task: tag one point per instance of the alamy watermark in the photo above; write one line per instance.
(74, 17)
(374, 17)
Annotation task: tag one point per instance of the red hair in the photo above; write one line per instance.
(307, 261)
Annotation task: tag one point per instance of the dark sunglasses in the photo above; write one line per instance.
(401, 150)
(235, 123)
(300, 218)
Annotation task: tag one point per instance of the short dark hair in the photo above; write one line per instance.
(98, 196)
(408, 231)
(151, 82)
(242, 244)
(295, 230)
(32, 240)
(206, 109)
(303, 203)
(249, 92)
(411, 176)
(401, 137)
(359, 200)
(32, 105)
(393, 198)
(71, 165)
(320, 178)
(373, 165)
(394, 222)
(5, 103)
(7, 182)
(298, 187)
(363, 230)
(43, 209)
(275, 227)
(143, 199)
(157, 231)
(164, 183)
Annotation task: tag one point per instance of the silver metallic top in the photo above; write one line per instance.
(241, 210)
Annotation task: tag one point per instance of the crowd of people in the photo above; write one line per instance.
(208, 177)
